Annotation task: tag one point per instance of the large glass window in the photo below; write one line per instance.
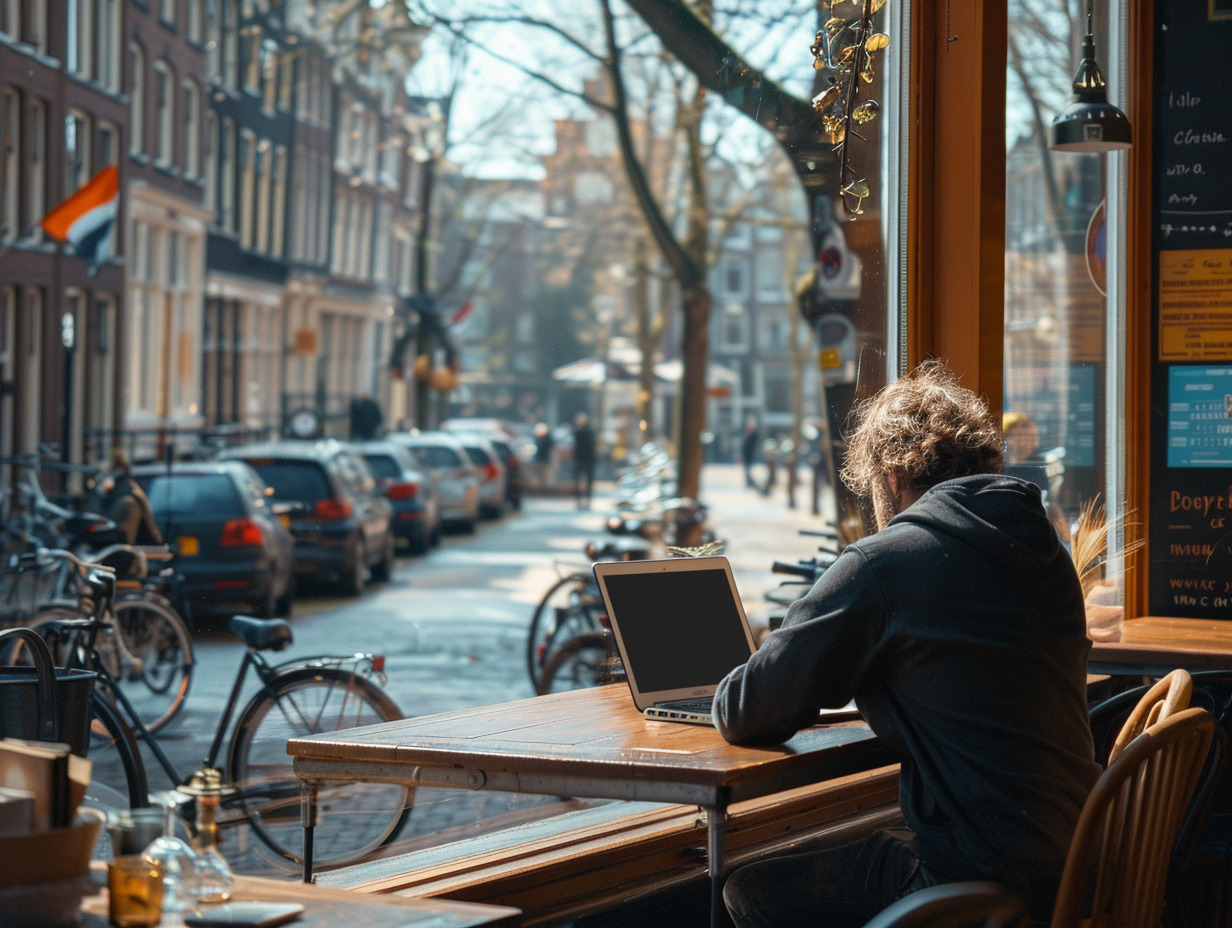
(1057, 379)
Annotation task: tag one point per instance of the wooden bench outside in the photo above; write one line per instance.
(598, 859)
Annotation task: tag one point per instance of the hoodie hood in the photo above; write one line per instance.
(1002, 517)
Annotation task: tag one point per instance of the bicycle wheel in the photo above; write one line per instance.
(354, 818)
(118, 771)
(575, 665)
(570, 607)
(157, 682)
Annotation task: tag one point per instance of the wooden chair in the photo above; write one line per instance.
(1128, 826)
(1168, 696)
(956, 905)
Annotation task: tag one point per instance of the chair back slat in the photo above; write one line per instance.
(1129, 823)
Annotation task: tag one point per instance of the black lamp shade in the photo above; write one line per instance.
(1090, 123)
(1090, 127)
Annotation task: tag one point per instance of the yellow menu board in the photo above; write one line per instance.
(1195, 305)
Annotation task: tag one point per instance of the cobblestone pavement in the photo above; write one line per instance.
(453, 628)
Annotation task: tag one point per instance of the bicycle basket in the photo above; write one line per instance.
(44, 702)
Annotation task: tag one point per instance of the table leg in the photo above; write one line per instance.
(308, 816)
(714, 851)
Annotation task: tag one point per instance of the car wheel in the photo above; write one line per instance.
(283, 606)
(268, 607)
(419, 541)
(356, 579)
(384, 568)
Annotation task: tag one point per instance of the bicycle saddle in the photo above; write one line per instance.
(261, 634)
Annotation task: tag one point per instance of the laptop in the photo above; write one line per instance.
(680, 627)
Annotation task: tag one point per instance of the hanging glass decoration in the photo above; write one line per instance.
(847, 47)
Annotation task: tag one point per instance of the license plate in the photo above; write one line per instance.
(285, 519)
(188, 545)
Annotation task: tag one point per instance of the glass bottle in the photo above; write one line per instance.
(214, 879)
(179, 863)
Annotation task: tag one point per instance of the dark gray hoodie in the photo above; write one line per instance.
(959, 631)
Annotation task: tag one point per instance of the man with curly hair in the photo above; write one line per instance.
(958, 629)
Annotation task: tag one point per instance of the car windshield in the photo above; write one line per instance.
(191, 495)
(383, 465)
(436, 456)
(294, 481)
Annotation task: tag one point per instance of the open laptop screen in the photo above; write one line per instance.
(679, 628)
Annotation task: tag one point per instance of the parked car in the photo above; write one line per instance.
(457, 479)
(505, 438)
(234, 553)
(515, 475)
(411, 491)
(341, 522)
(487, 459)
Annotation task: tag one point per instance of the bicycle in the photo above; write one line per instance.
(572, 605)
(152, 658)
(302, 696)
(581, 662)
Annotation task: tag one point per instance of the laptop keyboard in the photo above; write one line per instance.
(701, 704)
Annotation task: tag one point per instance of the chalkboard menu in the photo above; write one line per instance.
(1191, 370)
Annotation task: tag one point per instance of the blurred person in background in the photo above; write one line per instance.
(544, 443)
(584, 452)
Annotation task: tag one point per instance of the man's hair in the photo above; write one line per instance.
(924, 427)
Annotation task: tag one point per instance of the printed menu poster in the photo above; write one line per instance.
(1195, 305)
(1200, 417)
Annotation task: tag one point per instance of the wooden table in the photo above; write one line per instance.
(328, 908)
(590, 743)
(1152, 646)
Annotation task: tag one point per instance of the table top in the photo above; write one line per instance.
(590, 742)
(328, 908)
(1152, 644)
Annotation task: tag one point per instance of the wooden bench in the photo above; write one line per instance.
(606, 857)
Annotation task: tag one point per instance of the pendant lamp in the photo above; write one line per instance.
(1090, 123)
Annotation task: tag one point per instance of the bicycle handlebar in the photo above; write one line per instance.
(799, 569)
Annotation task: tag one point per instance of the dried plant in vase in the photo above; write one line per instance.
(1089, 550)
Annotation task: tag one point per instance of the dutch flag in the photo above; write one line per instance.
(85, 220)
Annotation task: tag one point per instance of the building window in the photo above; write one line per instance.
(108, 146)
(229, 164)
(264, 195)
(76, 151)
(280, 200)
(211, 161)
(73, 37)
(136, 129)
(38, 162)
(734, 327)
(10, 175)
(164, 82)
(10, 18)
(252, 58)
(733, 278)
(166, 12)
(192, 129)
(248, 173)
(213, 41)
(269, 74)
(107, 43)
(230, 46)
(195, 18)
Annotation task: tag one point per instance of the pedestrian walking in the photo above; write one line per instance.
(748, 451)
(125, 503)
(583, 459)
(544, 444)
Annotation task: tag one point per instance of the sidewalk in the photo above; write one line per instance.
(762, 529)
